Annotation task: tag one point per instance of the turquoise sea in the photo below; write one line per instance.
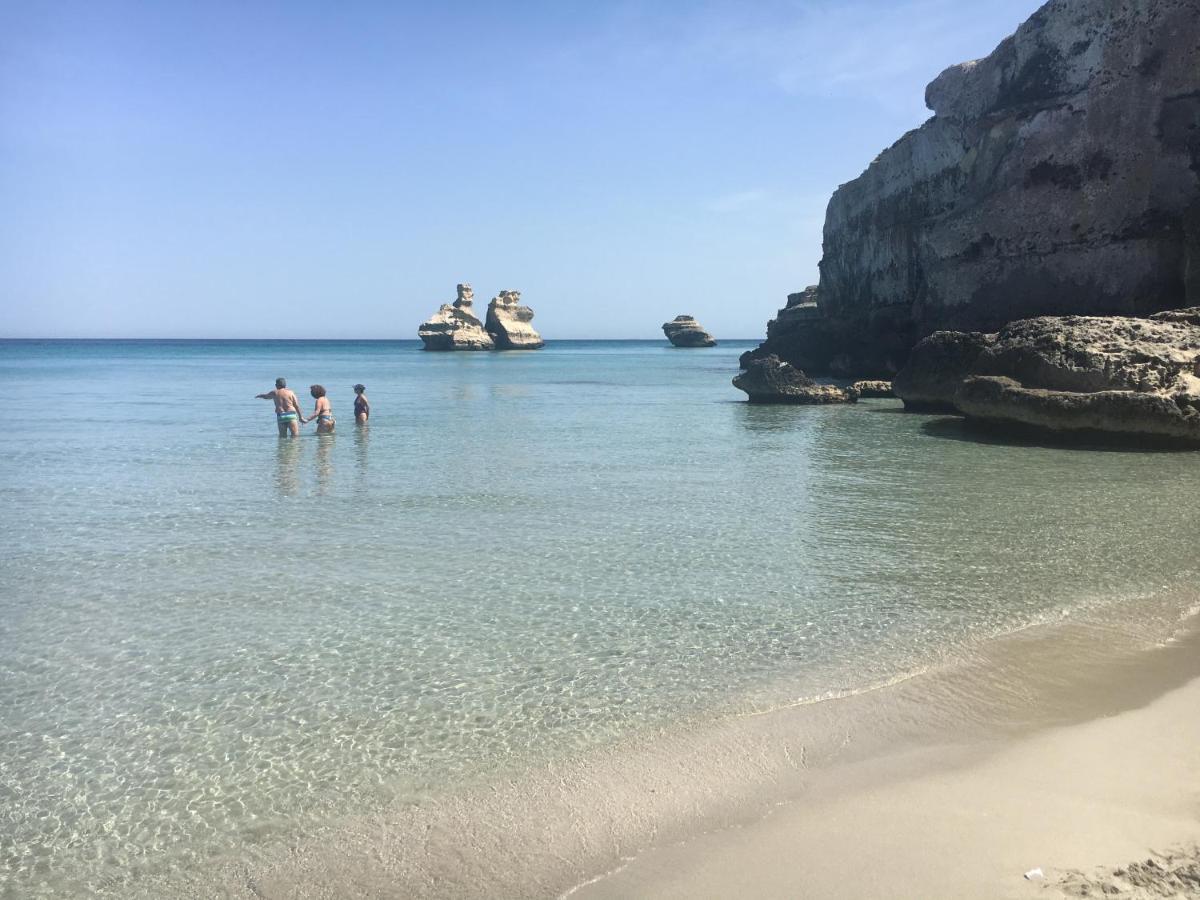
(212, 639)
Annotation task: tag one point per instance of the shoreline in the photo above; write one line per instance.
(628, 821)
(1073, 805)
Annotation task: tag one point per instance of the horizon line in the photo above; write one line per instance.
(341, 340)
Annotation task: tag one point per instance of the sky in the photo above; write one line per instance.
(311, 169)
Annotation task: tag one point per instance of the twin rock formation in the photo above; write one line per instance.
(1060, 175)
(455, 327)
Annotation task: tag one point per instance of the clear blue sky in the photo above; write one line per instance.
(309, 169)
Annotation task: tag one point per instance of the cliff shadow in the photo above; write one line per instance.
(779, 417)
(884, 405)
(955, 428)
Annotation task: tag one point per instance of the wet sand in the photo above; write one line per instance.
(1080, 802)
(1068, 748)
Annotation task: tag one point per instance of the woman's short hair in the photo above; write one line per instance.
(359, 388)
(317, 390)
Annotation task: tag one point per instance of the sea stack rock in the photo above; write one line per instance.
(684, 331)
(1113, 375)
(1059, 175)
(771, 380)
(454, 326)
(508, 323)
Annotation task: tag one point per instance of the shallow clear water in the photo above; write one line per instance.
(210, 637)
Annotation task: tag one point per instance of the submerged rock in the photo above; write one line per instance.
(508, 323)
(1058, 175)
(872, 390)
(454, 326)
(1115, 375)
(771, 380)
(684, 331)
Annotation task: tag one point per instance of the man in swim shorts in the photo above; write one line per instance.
(287, 408)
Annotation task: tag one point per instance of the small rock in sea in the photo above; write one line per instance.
(684, 331)
(508, 323)
(771, 380)
(872, 390)
(454, 326)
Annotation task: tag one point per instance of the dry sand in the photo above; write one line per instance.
(1080, 802)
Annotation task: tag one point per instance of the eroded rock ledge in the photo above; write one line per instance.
(1058, 175)
(771, 380)
(1115, 375)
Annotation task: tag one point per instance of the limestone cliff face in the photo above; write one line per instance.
(508, 322)
(454, 326)
(1059, 175)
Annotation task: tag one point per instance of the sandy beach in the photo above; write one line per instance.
(1079, 802)
(1069, 749)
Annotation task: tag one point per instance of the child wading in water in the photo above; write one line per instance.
(323, 412)
(362, 409)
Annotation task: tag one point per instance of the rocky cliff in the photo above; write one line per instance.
(454, 326)
(508, 322)
(1058, 175)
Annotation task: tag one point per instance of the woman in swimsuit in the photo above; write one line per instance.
(323, 412)
(362, 409)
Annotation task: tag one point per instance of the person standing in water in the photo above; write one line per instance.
(323, 412)
(287, 408)
(362, 409)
